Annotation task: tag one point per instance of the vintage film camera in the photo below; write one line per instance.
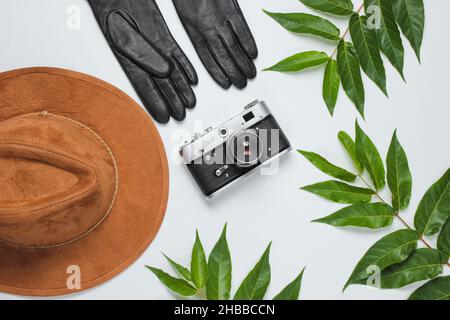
(219, 157)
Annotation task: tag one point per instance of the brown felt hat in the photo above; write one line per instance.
(83, 181)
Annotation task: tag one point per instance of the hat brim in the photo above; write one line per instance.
(143, 182)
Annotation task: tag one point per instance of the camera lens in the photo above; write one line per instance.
(245, 148)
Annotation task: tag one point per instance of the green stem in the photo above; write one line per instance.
(346, 32)
(397, 214)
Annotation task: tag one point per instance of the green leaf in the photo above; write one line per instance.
(254, 286)
(422, 264)
(436, 289)
(410, 16)
(182, 271)
(350, 146)
(443, 242)
(350, 72)
(370, 157)
(199, 266)
(366, 45)
(292, 290)
(391, 249)
(306, 23)
(340, 192)
(218, 285)
(179, 286)
(434, 208)
(300, 61)
(388, 35)
(326, 167)
(331, 84)
(398, 175)
(336, 7)
(367, 215)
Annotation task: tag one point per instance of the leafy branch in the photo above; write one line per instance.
(397, 213)
(214, 275)
(344, 36)
(396, 258)
(376, 32)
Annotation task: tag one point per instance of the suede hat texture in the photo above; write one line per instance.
(83, 181)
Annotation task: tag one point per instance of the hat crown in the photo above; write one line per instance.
(59, 179)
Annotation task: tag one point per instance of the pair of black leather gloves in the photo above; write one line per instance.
(155, 64)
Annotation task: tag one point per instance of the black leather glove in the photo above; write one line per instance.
(157, 67)
(222, 38)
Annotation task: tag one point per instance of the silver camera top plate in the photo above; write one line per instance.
(211, 138)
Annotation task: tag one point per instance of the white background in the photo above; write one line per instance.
(34, 33)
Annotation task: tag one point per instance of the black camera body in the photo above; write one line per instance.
(219, 157)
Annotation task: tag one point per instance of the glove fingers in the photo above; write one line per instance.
(239, 27)
(128, 41)
(212, 65)
(169, 94)
(183, 88)
(227, 64)
(245, 65)
(186, 66)
(146, 90)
